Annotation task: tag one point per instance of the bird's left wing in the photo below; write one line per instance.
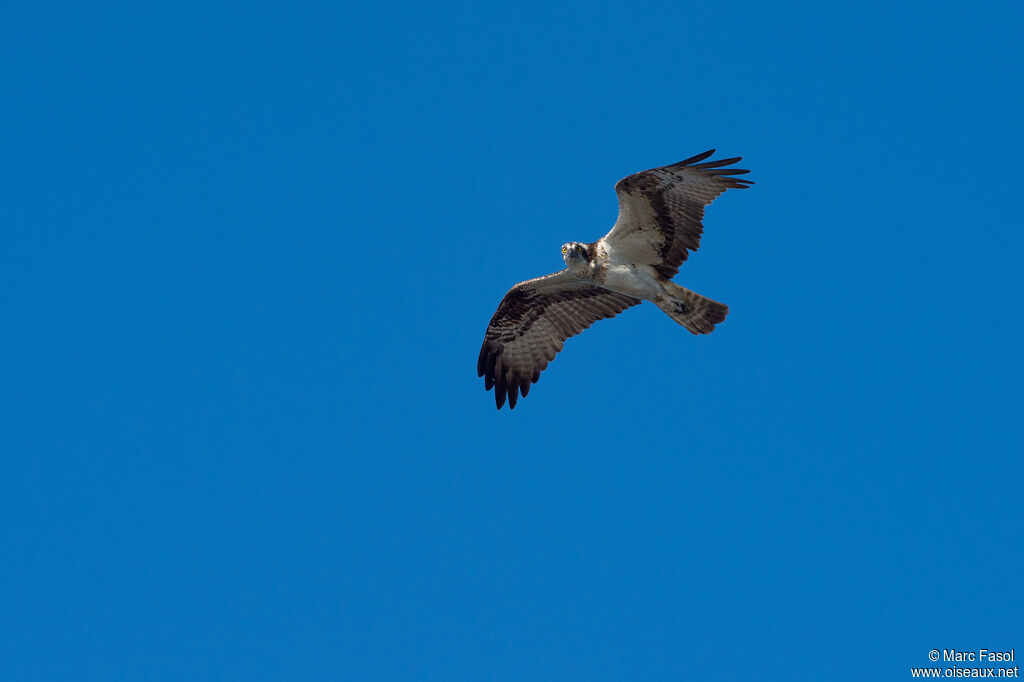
(660, 210)
(532, 323)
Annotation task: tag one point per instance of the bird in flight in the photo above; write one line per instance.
(660, 213)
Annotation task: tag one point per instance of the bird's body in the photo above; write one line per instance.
(632, 279)
(660, 213)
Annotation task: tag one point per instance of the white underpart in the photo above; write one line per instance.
(633, 279)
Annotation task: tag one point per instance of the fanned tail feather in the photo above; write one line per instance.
(697, 313)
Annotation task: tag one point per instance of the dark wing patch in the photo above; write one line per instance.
(531, 325)
(660, 210)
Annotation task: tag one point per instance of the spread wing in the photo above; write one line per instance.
(532, 323)
(660, 210)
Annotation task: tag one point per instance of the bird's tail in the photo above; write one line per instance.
(695, 312)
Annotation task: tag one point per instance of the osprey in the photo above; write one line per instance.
(660, 213)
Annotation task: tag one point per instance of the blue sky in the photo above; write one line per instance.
(249, 255)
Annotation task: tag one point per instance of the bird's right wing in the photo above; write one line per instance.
(661, 210)
(532, 323)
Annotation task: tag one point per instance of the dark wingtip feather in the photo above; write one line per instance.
(491, 363)
(481, 362)
(695, 159)
(500, 390)
(717, 164)
(728, 171)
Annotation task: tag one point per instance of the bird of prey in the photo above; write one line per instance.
(660, 213)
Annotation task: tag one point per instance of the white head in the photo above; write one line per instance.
(574, 253)
(579, 258)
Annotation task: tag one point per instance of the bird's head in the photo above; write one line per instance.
(574, 252)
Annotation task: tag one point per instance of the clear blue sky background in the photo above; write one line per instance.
(249, 254)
